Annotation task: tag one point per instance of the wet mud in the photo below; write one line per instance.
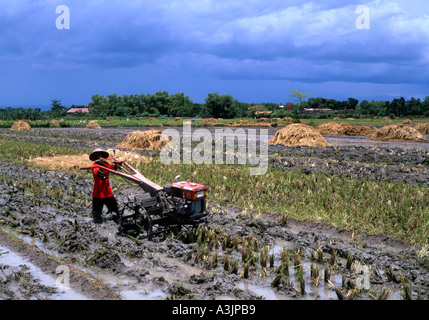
(45, 219)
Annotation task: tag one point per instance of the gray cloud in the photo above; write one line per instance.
(306, 42)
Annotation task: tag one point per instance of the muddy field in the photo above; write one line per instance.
(235, 256)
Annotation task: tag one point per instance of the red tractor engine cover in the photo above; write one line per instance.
(189, 190)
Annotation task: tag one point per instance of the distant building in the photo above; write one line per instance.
(76, 110)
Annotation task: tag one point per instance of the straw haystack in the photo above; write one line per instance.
(397, 132)
(386, 119)
(210, 120)
(333, 128)
(93, 125)
(139, 140)
(70, 162)
(20, 125)
(299, 134)
(288, 119)
(241, 123)
(407, 121)
(423, 128)
(178, 119)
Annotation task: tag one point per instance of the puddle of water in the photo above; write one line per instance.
(9, 258)
(263, 290)
(322, 291)
(154, 294)
(129, 289)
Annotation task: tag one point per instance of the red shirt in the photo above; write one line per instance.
(102, 187)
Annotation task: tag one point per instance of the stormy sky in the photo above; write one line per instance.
(255, 50)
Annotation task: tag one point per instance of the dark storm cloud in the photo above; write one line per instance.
(295, 41)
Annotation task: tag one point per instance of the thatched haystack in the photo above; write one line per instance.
(336, 118)
(153, 119)
(299, 134)
(266, 124)
(407, 121)
(398, 132)
(288, 119)
(423, 128)
(264, 120)
(333, 128)
(178, 119)
(20, 125)
(241, 123)
(139, 140)
(210, 120)
(93, 125)
(386, 119)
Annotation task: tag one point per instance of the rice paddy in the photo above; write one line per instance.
(249, 252)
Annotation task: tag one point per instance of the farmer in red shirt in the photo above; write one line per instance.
(102, 193)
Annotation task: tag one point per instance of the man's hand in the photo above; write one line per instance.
(101, 174)
(118, 164)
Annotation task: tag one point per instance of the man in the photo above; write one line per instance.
(102, 193)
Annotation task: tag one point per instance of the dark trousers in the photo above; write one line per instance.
(97, 207)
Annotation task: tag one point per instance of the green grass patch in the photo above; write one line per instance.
(377, 207)
(17, 151)
(388, 208)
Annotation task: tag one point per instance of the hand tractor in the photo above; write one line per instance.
(157, 209)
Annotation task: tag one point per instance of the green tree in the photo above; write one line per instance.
(225, 106)
(57, 110)
(413, 107)
(98, 106)
(352, 103)
(299, 98)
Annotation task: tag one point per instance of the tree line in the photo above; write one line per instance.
(215, 105)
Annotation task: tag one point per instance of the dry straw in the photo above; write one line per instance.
(398, 132)
(210, 120)
(93, 125)
(139, 140)
(69, 162)
(333, 128)
(20, 125)
(423, 128)
(288, 119)
(299, 134)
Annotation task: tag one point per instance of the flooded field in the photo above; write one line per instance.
(237, 257)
